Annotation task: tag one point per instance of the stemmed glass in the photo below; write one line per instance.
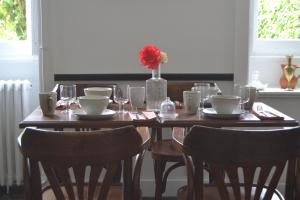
(244, 93)
(204, 89)
(121, 96)
(67, 95)
(137, 98)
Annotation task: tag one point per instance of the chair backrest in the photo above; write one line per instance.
(245, 158)
(60, 153)
(176, 88)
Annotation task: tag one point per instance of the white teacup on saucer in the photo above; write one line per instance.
(93, 104)
(225, 104)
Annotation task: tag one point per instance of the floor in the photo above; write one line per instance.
(17, 194)
(18, 197)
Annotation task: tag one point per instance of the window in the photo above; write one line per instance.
(275, 27)
(15, 28)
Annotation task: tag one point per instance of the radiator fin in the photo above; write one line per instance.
(14, 106)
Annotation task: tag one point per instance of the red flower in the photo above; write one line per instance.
(150, 56)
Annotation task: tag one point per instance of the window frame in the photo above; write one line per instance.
(28, 47)
(268, 47)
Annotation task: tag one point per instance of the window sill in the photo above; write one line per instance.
(278, 92)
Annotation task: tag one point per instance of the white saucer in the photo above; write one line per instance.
(106, 114)
(210, 112)
(172, 116)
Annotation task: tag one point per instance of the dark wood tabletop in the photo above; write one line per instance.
(62, 119)
(247, 119)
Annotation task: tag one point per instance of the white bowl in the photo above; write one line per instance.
(225, 104)
(99, 91)
(93, 104)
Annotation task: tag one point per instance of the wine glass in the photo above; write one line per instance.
(121, 96)
(244, 93)
(137, 98)
(204, 89)
(67, 95)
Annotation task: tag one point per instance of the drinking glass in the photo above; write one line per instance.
(67, 95)
(121, 96)
(204, 89)
(244, 93)
(137, 98)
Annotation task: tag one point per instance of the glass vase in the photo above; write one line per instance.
(156, 91)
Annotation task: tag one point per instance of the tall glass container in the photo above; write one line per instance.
(156, 91)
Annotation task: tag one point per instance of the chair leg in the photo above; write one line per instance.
(167, 172)
(158, 172)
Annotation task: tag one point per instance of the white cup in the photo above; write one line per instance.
(191, 101)
(48, 102)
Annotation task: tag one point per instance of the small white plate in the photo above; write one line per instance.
(106, 114)
(173, 116)
(210, 112)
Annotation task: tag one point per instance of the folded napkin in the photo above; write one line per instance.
(136, 116)
(267, 115)
(142, 116)
(150, 115)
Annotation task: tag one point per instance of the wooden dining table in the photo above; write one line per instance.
(61, 120)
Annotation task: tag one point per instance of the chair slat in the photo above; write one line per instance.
(108, 179)
(290, 179)
(274, 180)
(249, 172)
(217, 174)
(232, 172)
(53, 181)
(66, 181)
(263, 175)
(79, 173)
(94, 176)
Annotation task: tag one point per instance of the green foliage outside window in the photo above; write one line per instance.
(12, 20)
(279, 19)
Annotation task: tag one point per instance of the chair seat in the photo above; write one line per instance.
(115, 193)
(166, 149)
(210, 192)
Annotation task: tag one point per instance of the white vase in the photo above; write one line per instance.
(156, 91)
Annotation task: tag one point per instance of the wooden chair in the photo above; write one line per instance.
(86, 155)
(251, 161)
(163, 151)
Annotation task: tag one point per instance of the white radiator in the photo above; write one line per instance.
(14, 106)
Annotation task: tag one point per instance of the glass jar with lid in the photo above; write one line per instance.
(168, 109)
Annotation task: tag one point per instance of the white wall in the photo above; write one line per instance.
(106, 36)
